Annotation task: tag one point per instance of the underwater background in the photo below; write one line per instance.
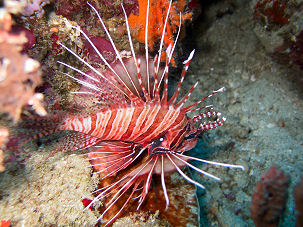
(253, 48)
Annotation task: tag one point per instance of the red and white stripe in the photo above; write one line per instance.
(139, 124)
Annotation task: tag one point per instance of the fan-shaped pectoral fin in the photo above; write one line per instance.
(109, 157)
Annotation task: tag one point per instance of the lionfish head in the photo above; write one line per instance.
(174, 141)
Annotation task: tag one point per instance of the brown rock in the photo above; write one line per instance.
(269, 198)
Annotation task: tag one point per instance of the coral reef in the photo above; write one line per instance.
(179, 213)
(111, 12)
(279, 29)
(156, 23)
(31, 39)
(272, 12)
(34, 8)
(105, 48)
(273, 22)
(67, 8)
(269, 198)
(19, 74)
(47, 191)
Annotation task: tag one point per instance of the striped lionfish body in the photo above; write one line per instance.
(138, 131)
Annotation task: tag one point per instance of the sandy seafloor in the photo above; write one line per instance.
(260, 95)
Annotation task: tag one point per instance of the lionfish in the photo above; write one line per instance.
(138, 130)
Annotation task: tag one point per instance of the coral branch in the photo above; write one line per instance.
(158, 10)
(19, 74)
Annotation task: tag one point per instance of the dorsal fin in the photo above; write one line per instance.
(138, 78)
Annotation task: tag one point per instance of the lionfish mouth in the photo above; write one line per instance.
(110, 158)
(160, 150)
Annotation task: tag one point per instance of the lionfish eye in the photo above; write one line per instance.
(157, 142)
(158, 146)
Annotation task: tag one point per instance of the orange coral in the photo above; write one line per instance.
(157, 15)
(5, 223)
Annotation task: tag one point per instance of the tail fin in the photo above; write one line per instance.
(35, 127)
(29, 128)
(32, 128)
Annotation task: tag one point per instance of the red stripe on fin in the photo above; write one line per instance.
(108, 158)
